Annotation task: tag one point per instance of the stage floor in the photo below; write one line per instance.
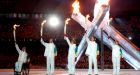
(78, 72)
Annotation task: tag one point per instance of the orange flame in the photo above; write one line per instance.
(67, 21)
(76, 7)
(14, 26)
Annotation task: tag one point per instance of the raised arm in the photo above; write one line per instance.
(87, 39)
(41, 32)
(17, 47)
(87, 51)
(14, 34)
(86, 22)
(42, 42)
(68, 41)
(86, 36)
(65, 35)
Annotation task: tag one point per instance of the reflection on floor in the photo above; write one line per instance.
(78, 72)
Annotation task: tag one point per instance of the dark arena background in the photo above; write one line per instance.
(29, 14)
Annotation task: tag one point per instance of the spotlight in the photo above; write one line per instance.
(53, 21)
(129, 37)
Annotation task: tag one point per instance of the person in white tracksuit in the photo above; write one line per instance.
(71, 53)
(92, 51)
(116, 55)
(21, 59)
(50, 53)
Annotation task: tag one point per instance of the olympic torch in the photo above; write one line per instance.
(66, 22)
(14, 31)
(42, 24)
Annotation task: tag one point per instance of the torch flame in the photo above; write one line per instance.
(14, 26)
(67, 21)
(76, 7)
(43, 22)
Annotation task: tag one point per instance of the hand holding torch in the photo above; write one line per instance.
(41, 31)
(66, 22)
(14, 31)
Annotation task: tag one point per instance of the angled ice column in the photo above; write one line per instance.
(91, 27)
(131, 53)
(127, 56)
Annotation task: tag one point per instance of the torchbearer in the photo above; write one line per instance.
(22, 53)
(116, 55)
(50, 52)
(92, 51)
(71, 52)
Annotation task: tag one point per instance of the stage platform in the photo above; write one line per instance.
(78, 72)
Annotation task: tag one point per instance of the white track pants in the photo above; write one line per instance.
(18, 66)
(50, 65)
(116, 65)
(71, 64)
(92, 60)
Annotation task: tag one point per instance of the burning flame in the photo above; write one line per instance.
(67, 21)
(14, 26)
(76, 7)
(43, 22)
